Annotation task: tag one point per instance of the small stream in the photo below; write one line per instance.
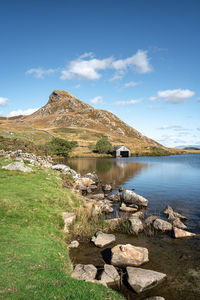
(172, 180)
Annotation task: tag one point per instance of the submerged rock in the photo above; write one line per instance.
(136, 225)
(180, 233)
(128, 196)
(110, 275)
(143, 279)
(84, 272)
(128, 255)
(103, 239)
(17, 166)
(162, 225)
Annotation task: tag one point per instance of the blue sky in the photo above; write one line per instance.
(136, 58)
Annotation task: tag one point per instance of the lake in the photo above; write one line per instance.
(169, 180)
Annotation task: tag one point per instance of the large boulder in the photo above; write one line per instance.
(110, 275)
(180, 233)
(84, 272)
(128, 196)
(142, 279)
(162, 225)
(68, 218)
(103, 239)
(60, 167)
(17, 166)
(128, 255)
(136, 225)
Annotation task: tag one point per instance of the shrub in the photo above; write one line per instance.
(60, 147)
(104, 146)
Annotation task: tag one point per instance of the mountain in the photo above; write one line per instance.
(66, 116)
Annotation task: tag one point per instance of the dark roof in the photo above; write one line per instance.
(118, 147)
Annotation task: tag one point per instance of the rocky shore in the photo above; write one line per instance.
(125, 259)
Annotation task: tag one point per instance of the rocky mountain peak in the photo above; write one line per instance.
(58, 95)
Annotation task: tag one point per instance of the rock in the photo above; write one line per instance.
(125, 208)
(93, 176)
(139, 214)
(106, 188)
(121, 189)
(173, 215)
(149, 221)
(83, 181)
(142, 279)
(84, 272)
(113, 197)
(155, 298)
(128, 196)
(168, 209)
(97, 281)
(136, 225)
(60, 167)
(177, 223)
(103, 239)
(107, 209)
(113, 223)
(162, 225)
(68, 219)
(17, 166)
(96, 210)
(74, 244)
(98, 196)
(110, 275)
(128, 255)
(180, 233)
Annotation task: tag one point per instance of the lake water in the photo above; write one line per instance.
(170, 180)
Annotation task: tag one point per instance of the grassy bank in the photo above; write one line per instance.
(34, 259)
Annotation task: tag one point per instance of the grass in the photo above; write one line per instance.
(34, 258)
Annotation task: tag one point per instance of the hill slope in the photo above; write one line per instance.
(67, 117)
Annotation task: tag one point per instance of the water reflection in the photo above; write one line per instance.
(114, 171)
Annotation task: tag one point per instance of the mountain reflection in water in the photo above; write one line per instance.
(113, 171)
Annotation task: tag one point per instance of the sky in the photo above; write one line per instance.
(139, 59)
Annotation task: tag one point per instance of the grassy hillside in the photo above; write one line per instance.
(34, 258)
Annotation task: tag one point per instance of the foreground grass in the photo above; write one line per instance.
(34, 259)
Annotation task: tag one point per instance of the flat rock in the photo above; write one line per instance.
(17, 166)
(68, 218)
(125, 208)
(103, 239)
(84, 272)
(136, 225)
(128, 255)
(180, 233)
(110, 275)
(142, 279)
(98, 196)
(60, 167)
(84, 181)
(162, 225)
(128, 196)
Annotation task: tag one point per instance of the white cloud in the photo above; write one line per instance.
(156, 107)
(131, 84)
(129, 102)
(86, 68)
(3, 101)
(177, 96)
(26, 112)
(171, 127)
(97, 99)
(139, 61)
(40, 72)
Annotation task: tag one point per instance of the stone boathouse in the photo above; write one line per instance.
(121, 151)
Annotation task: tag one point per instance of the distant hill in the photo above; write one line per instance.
(66, 116)
(195, 147)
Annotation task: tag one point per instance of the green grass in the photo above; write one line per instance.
(34, 258)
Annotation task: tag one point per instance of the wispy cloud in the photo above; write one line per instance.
(40, 72)
(177, 96)
(97, 99)
(128, 102)
(156, 107)
(3, 101)
(170, 127)
(131, 84)
(26, 112)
